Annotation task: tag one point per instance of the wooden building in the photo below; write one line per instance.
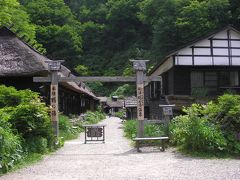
(131, 107)
(114, 104)
(19, 63)
(209, 65)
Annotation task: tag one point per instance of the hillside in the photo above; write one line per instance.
(102, 35)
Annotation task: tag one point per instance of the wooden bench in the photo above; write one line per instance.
(162, 139)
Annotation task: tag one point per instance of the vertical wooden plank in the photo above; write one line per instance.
(140, 103)
(140, 67)
(54, 102)
(140, 96)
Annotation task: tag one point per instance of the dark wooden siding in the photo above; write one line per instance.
(182, 82)
(69, 101)
(171, 81)
(182, 77)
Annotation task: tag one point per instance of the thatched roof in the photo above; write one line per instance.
(102, 99)
(115, 104)
(17, 58)
(131, 101)
(75, 86)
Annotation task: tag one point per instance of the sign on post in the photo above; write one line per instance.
(94, 132)
(54, 108)
(54, 102)
(167, 111)
(140, 102)
(140, 66)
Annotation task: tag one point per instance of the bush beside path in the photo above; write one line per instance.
(117, 159)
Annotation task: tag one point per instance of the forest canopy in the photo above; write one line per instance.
(103, 35)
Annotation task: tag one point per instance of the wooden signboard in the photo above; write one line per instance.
(140, 102)
(94, 132)
(167, 111)
(54, 102)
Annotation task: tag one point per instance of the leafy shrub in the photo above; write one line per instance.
(130, 128)
(225, 112)
(66, 130)
(11, 97)
(31, 120)
(196, 134)
(124, 90)
(150, 130)
(27, 114)
(210, 128)
(37, 144)
(121, 114)
(10, 147)
(94, 117)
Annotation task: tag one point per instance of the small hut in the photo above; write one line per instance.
(114, 104)
(131, 107)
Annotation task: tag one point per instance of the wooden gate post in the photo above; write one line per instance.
(54, 67)
(54, 102)
(140, 67)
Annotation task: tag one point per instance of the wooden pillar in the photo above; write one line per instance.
(54, 102)
(140, 103)
(140, 67)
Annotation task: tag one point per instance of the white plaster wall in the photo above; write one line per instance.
(200, 61)
(236, 61)
(202, 51)
(221, 61)
(220, 51)
(184, 60)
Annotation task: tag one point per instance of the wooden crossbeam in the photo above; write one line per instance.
(96, 78)
(100, 78)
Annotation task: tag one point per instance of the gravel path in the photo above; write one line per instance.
(116, 159)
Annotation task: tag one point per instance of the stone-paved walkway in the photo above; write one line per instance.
(116, 159)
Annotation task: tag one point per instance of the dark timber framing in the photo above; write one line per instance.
(229, 47)
(210, 64)
(138, 65)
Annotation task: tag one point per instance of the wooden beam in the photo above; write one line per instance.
(97, 78)
(42, 79)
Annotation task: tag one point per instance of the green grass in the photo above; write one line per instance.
(69, 135)
(27, 160)
(208, 155)
(150, 130)
(66, 132)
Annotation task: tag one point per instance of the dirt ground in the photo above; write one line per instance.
(117, 159)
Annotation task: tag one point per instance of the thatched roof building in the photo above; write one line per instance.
(18, 58)
(19, 63)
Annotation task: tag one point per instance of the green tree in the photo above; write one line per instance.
(21, 22)
(45, 13)
(57, 29)
(124, 90)
(82, 70)
(61, 42)
(177, 22)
